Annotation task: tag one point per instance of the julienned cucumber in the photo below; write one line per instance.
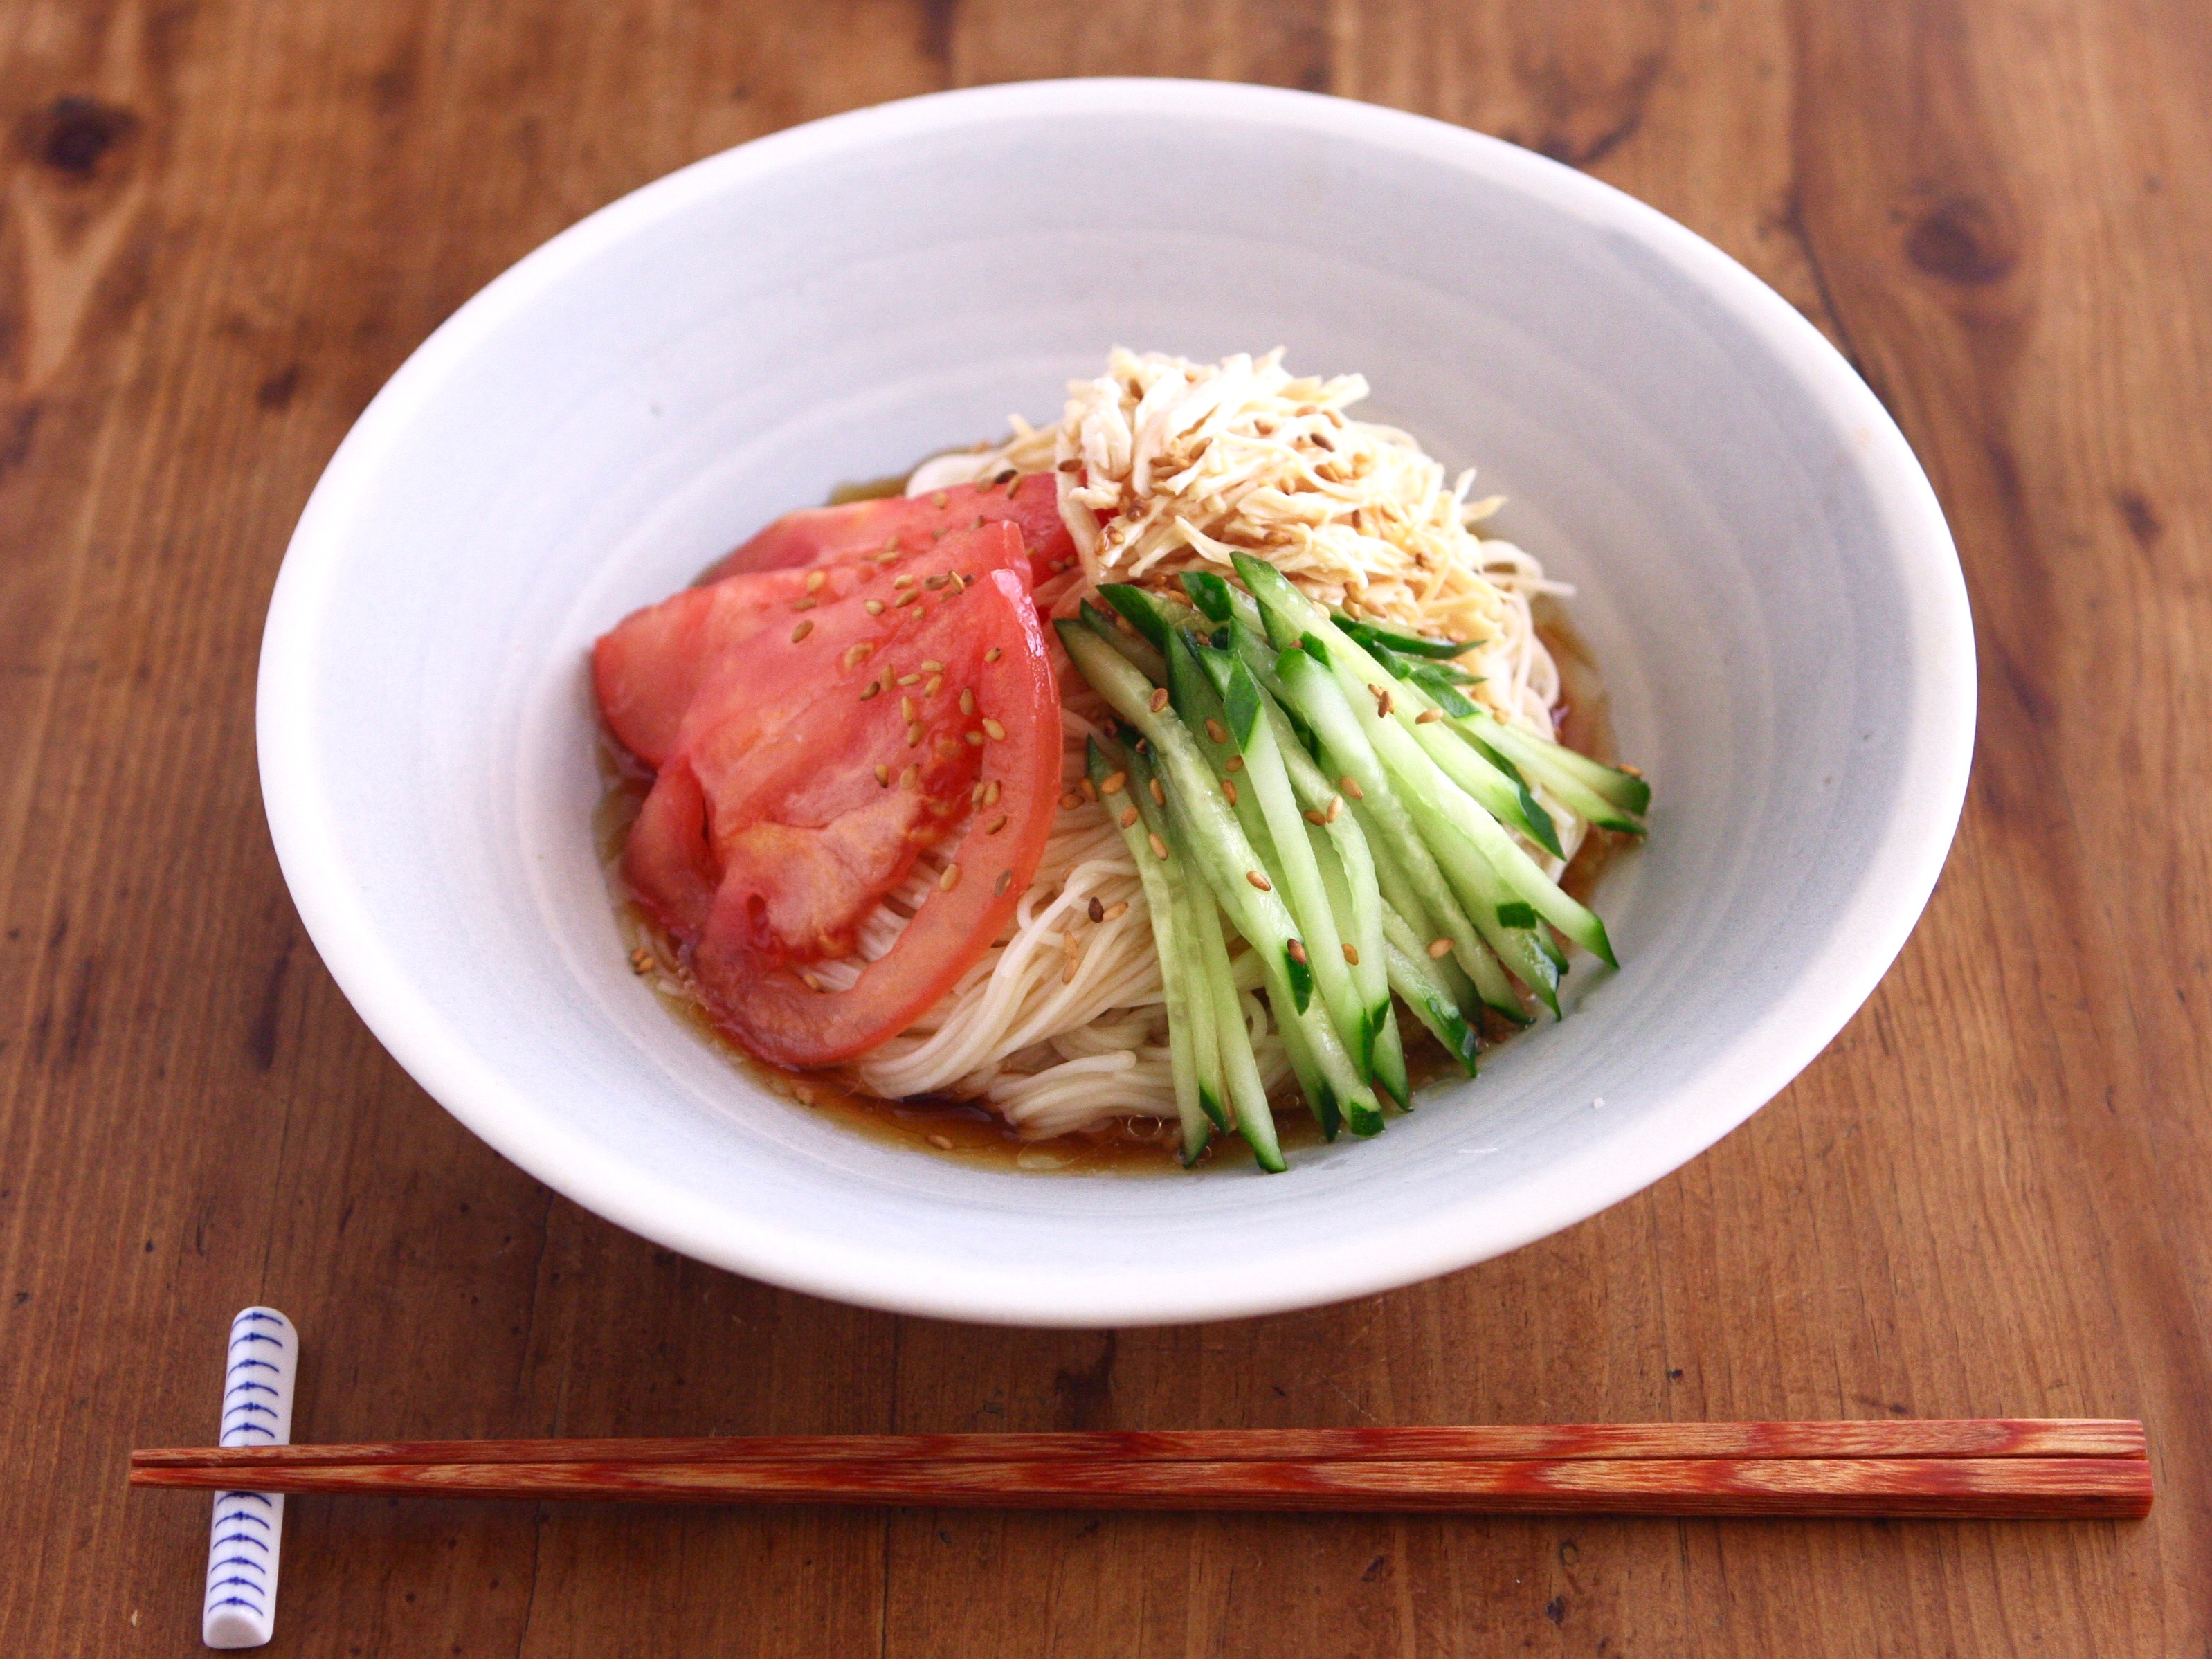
(1216, 1006)
(1220, 848)
(1173, 939)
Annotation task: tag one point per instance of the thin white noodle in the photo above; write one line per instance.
(1185, 462)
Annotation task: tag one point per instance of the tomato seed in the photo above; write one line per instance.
(974, 740)
(870, 690)
(936, 684)
(814, 581)
(993, 655)
(907, 709)
(802, 630)
(908, 598)
(933, 666)
(858, 654)
(913, 734)
(911, 778)
(950, 879)
(802, 605)
(967, 700)
(992, 729)
(995, 825)
(884, 776)
(991, 792)
(873, 607)
(1006, 880)
(933, 583)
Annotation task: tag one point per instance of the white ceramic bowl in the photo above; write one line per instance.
(1764, 575)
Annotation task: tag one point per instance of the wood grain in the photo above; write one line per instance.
(223, 223)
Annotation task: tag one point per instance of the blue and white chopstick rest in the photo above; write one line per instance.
(249, 1525)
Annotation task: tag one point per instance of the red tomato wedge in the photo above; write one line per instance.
(828, 535)
(648, 670)
(791, 805)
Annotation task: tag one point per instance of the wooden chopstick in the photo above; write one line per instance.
(1993, 1467)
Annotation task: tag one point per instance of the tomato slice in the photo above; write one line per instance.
(828, 535)
(772, 833)
(652, 665)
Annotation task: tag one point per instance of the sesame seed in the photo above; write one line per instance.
(913, 734)
(1352, 955)
(943, 1143)
(1314, 815)
(939, 500)
(1116, 911)
(641, 961)
(992, 729)
(1439, 949)
(1260, 881)
(931, 665)
(1217, 731)
(991, 792)
(1012, 484)
(1351, 789)
(936, 684)
(1159, 700)
(995, 825)
(1071, 464)
(907, 598)
(812, 984)
(814, 581)
(1113, 782)
(975, 796)
(802, 630)
(1298, 951)
(873, 607)
(946, 748)
(884, 776)
(1006, 880)
(1070, 800)
(1159, 795)
(1336, 804)
(1229, 788)
(1236, 763)
(993, 655)
(1381, 699)
(933, 583)
(907, 710)
(1004, 477)
(1129, 817)
(950, 879)
(802, 605)
(1098, 910)
(1428, 714)
(967, 700)
(911, 778)
(1159, 847)
(870, 690)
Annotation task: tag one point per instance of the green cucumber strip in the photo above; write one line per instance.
(1475, 880)
(1171, 938)
(1516, 915)
(1491, 987)
(1219, 848)
(1391, 639)
(1549, 760)
(1370, 973)
(1210, 593)
(1295, 868)
(1432, 1005)
(1541, 760)
(1247, 1096)
(1146, 612)
(1505, 801)
(1147, 660)
(1312, 690)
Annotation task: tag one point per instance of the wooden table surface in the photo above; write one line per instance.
(224, 224)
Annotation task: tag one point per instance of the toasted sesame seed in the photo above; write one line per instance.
(1351, 788)
(802, 630)
(1298, 951)
(873, 607)
(975, 796)
(1098, 910)
(1428, 714)
(870, 690)
(641, 961)
(1336, 804)
(1159, 700)
(1159, 795)
(931, 665)
(815, 579)
(936, 684)
(1115, 911)
(1439, 949)
(857, 654)
(1236, 763)
(802, 605)
(912, 733)
(1352, 955)
(1006, 880)
(1114, 783)
(1381, 699)
(995, 825)
(1003, 477)
(933, 583)
(993, 655)
(907, 598)
(1159, 847)
(1217, 731)
(939, 500)
(1229, 788)
(1129, 817)
(1314, 815)
(911, 778)
(884, 776)
(943, 1143)
(992, 729)
(950, 879)
(812, 984)
(1260, 881)
(1012, 484)
(991, 792)
(907, 710)
(1070, 800)
(1071, 464)
(967, 700)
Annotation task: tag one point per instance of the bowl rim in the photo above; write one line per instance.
(1829, 988)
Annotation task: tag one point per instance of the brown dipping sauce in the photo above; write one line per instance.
(973, 1135)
